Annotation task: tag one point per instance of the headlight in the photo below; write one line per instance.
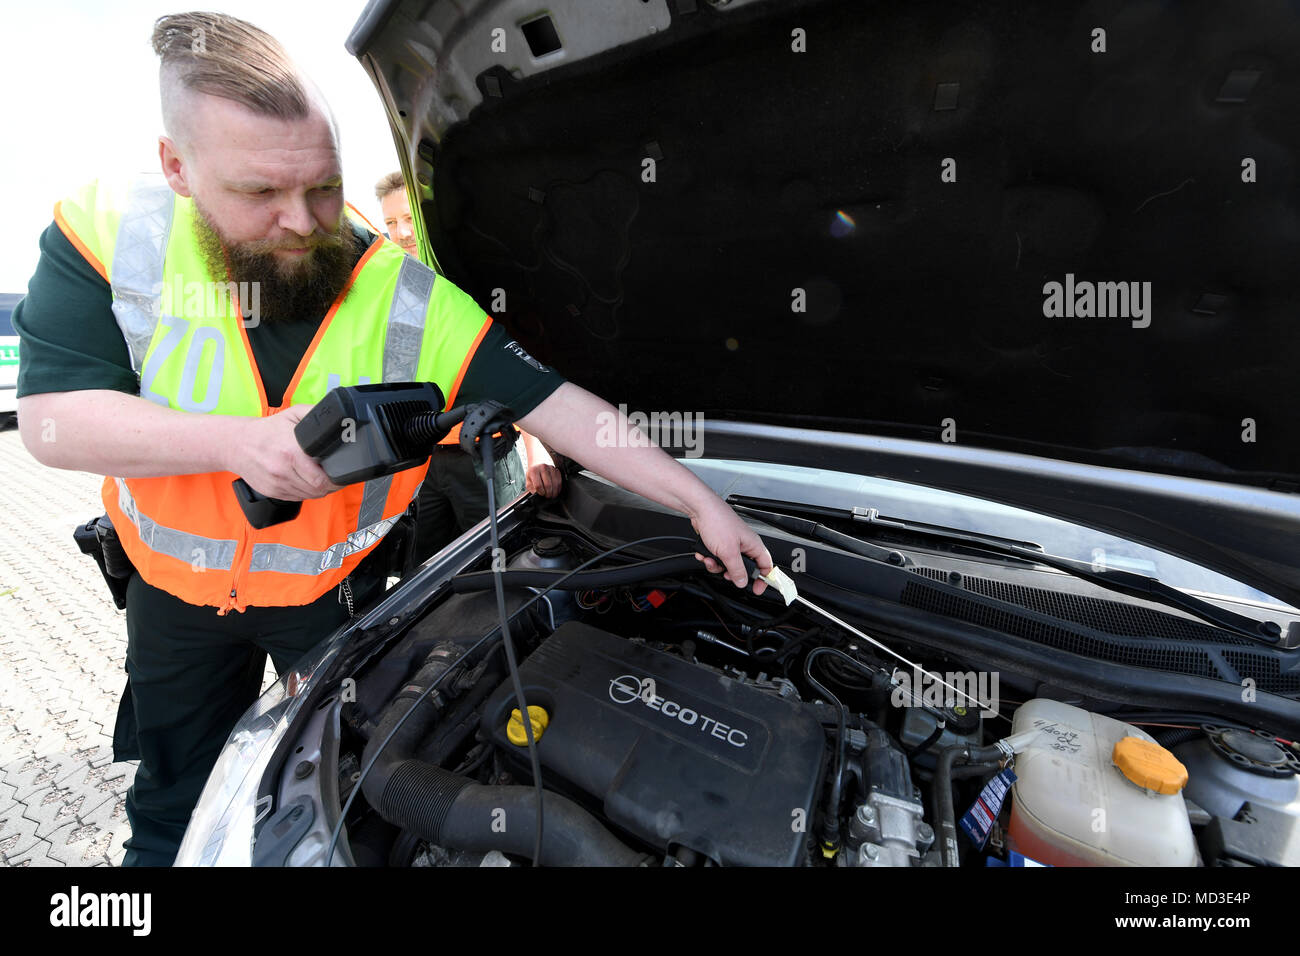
(220, 831)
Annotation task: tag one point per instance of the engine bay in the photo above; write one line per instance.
(679, 721)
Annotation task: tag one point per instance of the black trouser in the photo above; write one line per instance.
(190, 676)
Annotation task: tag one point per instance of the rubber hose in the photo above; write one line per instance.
(945, 817)
(927, 743)
(583, 580)
(451, 810)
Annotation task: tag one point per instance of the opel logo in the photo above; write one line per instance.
(624, 689)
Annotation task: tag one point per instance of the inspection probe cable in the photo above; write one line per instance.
(468, 655)
(525, 715)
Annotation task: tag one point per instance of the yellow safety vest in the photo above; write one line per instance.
(397, 321)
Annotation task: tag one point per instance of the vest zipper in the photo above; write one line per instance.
(236, 578)
(345, 596)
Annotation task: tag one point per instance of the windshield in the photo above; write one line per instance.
(895, 499)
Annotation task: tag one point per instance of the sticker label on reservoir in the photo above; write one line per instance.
(978, 821)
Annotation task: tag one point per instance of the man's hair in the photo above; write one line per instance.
(389, 184)
(223, 56)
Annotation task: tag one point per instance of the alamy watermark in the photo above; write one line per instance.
(683, 430)
(214, 299)
(1085, 299)
(75, 908)
(961, 690)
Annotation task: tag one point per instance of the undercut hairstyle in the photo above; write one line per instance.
(227, 57)
(389, 184)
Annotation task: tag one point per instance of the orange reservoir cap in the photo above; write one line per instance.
(1149, 765)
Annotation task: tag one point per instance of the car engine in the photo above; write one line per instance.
(685, 757)
(679, 722)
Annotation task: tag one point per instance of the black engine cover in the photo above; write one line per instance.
(693, 759)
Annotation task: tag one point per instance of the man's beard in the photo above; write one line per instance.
(301, 290)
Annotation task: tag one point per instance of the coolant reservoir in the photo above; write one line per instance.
(1072, 805)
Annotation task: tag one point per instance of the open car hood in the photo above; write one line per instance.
(1045, 254)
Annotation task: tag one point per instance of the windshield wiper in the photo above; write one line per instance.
(1114, 579)
(815, 530)
(875, 518)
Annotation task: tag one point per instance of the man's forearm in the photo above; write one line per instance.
(573, 421)
(588, 429)
(111, 433)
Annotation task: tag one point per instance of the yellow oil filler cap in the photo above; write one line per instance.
(515, 731)
(1149, 765)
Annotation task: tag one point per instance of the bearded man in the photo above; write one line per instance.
(139, 365)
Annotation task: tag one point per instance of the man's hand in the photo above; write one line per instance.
(271, 461)
(544, 480)
(543, 477)
(727, 538)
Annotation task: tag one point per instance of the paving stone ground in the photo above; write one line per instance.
(62, 648)
(62, 654)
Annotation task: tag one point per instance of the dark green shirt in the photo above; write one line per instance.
(70, 341)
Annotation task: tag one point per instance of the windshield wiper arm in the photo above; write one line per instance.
(877, 520)
(815, 530)
(1114, 579)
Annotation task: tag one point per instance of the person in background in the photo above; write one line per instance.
(396, 208)
(453, 498)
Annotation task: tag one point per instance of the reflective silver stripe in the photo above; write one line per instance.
(406, 318)
(138, 263)
(211, 554)
(289, 560)
(373, 496)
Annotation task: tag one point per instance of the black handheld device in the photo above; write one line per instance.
(360, 432)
